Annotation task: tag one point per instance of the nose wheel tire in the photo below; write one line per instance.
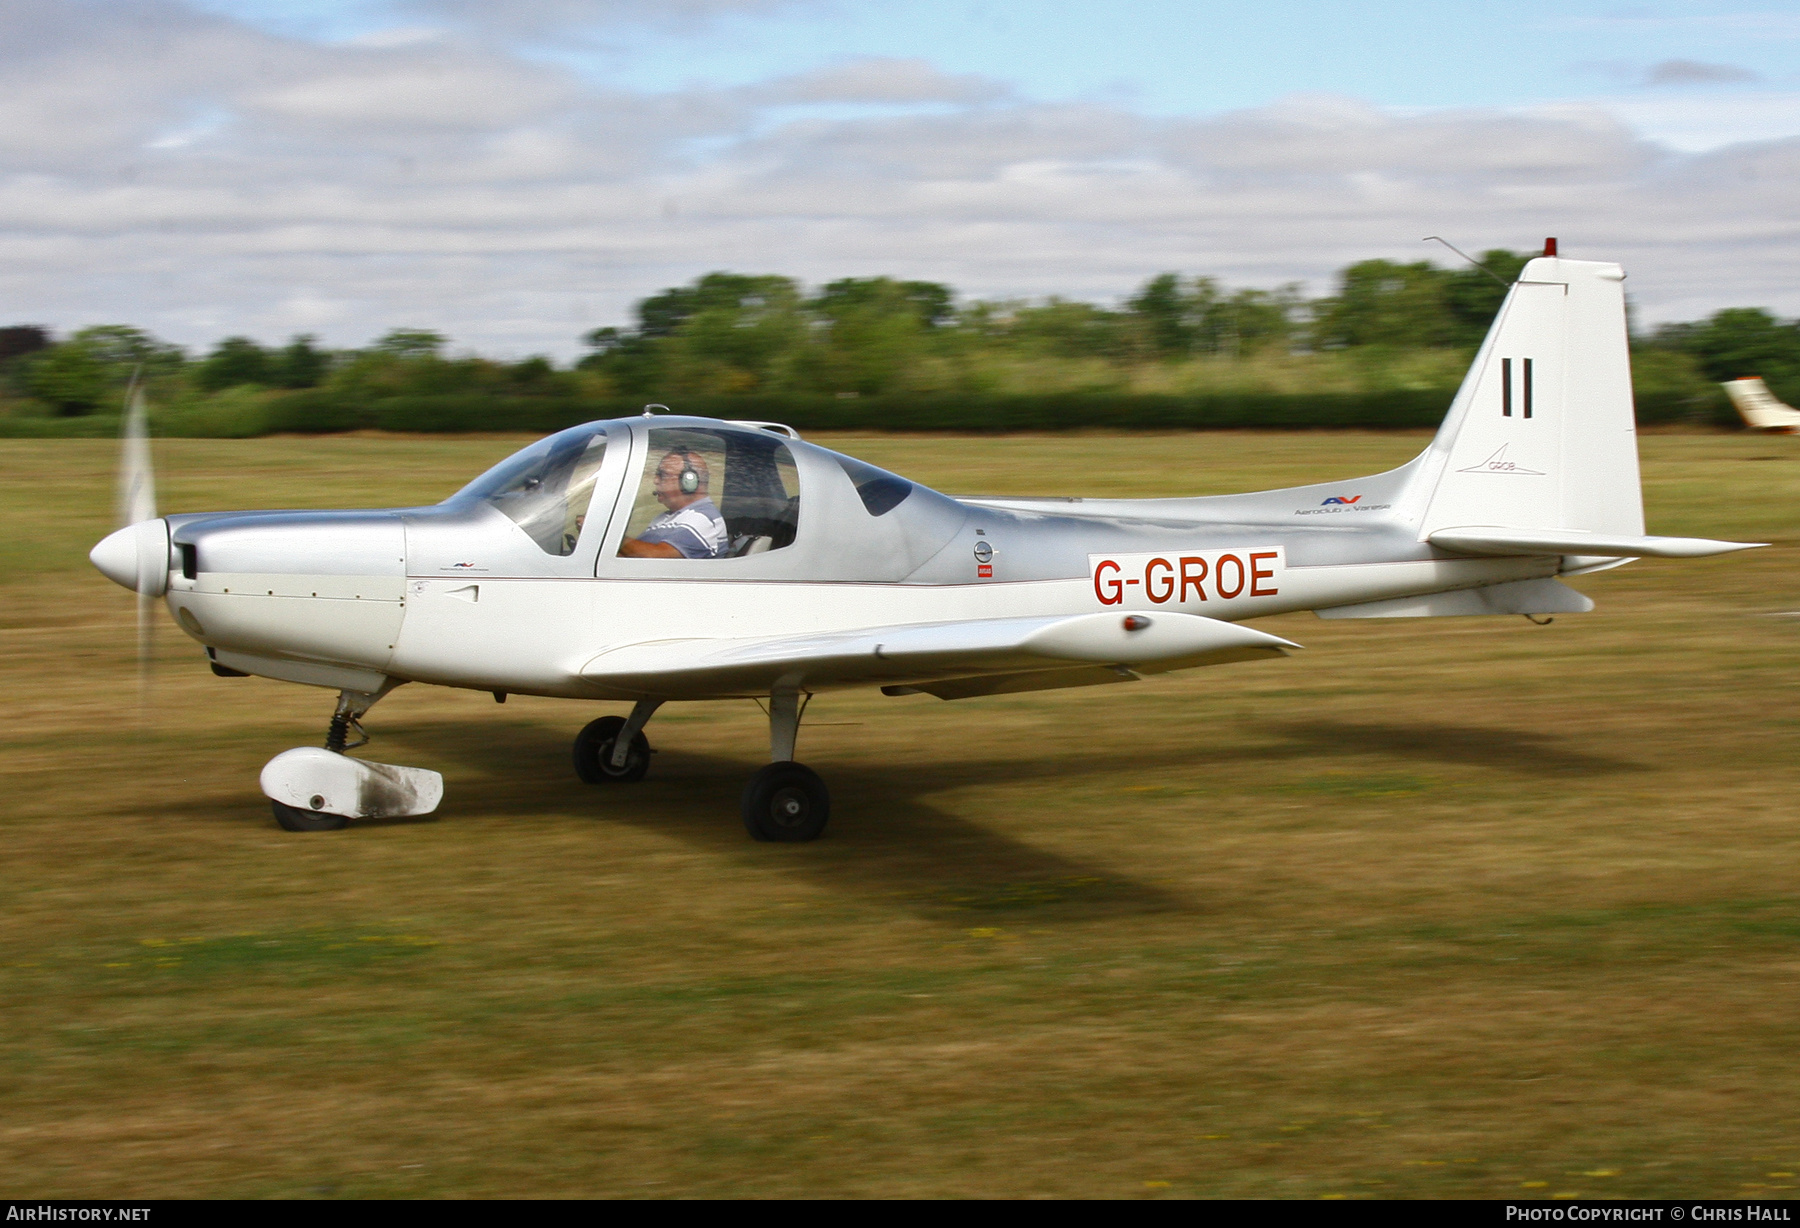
(786, 802)
(594, 748)
(292, 818)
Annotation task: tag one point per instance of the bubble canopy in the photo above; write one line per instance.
(545, 488)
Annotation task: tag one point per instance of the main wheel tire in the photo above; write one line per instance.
(786, 802)
(594, 748)
(292, 818)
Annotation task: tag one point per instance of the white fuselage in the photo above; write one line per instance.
(472, 594)
(533, 635)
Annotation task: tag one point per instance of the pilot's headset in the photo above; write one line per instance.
(689, 477)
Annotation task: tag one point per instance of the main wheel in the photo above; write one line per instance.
(292, 818)
(594, 748)
(786, 802)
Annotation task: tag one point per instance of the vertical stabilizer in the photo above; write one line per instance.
(1542, 434)
(1759, 408)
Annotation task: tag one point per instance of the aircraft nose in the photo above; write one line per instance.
(137, 557)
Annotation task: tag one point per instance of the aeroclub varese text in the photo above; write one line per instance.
(1186, 578)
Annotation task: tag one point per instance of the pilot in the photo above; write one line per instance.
(692, 528)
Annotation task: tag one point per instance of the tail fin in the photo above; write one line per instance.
(1542, 433)
(1758, 406)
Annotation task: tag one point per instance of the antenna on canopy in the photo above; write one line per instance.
(1465, 255)
(649, 410)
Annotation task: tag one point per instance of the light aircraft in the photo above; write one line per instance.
(662, 558)
(1759, 409)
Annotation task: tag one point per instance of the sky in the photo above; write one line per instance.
(514, 174)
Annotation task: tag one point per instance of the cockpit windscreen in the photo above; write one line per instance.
(546, 488)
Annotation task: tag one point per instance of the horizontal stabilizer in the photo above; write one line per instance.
(1483, 539)
(925, 652)
(1539, 596)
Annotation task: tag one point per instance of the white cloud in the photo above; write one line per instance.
(535, 17)
(879, 79)
(1695, 123)
(199, 177)
(396, 36)
(448, 88)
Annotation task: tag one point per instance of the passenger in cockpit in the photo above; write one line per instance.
(692, 528)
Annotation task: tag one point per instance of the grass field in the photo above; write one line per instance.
(1449, 907)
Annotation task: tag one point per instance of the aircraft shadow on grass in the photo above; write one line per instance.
(1504, 750)
(894, 845)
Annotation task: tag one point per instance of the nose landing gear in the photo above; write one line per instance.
(310, 789)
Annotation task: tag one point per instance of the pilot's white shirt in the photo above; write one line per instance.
(697, 530)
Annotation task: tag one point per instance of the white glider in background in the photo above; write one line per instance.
(1759, 408)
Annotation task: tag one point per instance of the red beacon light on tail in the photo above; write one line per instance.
(1550, 247)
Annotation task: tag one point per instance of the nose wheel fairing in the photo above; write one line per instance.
(328, 785)
(321, 789)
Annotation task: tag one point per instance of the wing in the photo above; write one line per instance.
(981, 656)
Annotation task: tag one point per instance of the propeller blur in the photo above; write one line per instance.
(668, 558)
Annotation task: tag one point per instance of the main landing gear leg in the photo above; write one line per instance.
(614, 749)
(785, 801)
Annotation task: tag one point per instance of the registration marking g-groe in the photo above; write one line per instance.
(1186, 577)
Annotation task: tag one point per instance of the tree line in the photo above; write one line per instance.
(1388, 328)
